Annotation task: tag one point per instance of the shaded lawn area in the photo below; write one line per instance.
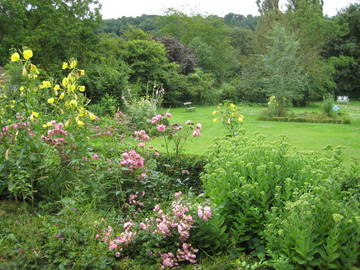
(304, 136)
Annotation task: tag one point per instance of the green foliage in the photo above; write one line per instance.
(246, 183)
(141, 109)
(286, 79)
(59, 241)
(344, 46)
(31, 23)
(230, 117)
(201, 88)
(207, 36)
(107, 72)
(185, 168)
(319, 229)
(147, 61)
(108, 105)
(328, 104)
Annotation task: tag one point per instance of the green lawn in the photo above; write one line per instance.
(304, 136)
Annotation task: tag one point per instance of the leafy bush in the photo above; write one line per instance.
(107, 106)
(65, 240)
(327, 105)
(319, 230)
(186, 168)
(247, 182)
(230, 117)
(309, 118)
(142, 109)
(42, 128)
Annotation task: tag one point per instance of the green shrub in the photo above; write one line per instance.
(39, 241)
(319, 230)
(107, 106)
(185, 167)
(142, 109)
(327, 105)
(247, 176)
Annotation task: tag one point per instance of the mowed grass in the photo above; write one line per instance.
(304, 136)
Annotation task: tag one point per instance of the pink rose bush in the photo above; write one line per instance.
(132, 160)
(173, 223)
(175, 135)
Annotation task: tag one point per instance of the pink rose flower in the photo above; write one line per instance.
(161, 128)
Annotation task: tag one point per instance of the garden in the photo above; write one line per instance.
(179, 141)
(94, 187)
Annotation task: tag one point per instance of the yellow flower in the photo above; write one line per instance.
(79, 123)
(232, 106)
(35, 114)
(82, 88)
(22, 88)
(57, 87)
(215, 120)
(51, 100)
(71, 87)
(65, 81)
(73, 64)
(34, 69)
(214, 112)
(28, 54)
(82, 72)
(15, 57)
(240, 120)
(65, 65)
(92, 116)
(82, 112)
(13, 101)
(73, 103)
(45, 84)
(44, 126)
(62, 95)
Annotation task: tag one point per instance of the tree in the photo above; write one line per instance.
(179, 53)
(343, 50)
(207, 36)
(55, 29)
(147, 62)
(286, 80)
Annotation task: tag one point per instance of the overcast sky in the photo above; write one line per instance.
(119, 8)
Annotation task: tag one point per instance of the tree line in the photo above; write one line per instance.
(297, 53)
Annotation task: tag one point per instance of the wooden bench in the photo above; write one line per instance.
(189, 107)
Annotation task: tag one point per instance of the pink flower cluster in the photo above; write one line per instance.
(52, 134)
(6, 130)
(161, 128)
(196, 132)
(121, 118)
(204, 212)
(133, 198)
(181, 219)
(175, 224)
(168, 260)
(119, 242)
(141, 135)
(156, 119)
(185, 253)
(132, 160)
